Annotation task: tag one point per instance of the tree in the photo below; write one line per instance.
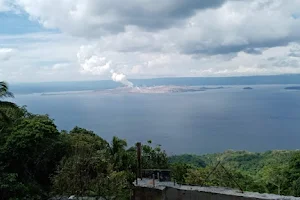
(118, 152)
(78, 130)
(92, 168)
(196, 176)
(274, 175)
(154, 157)
(293, 175)
(30, 155)
(179, 172)
(4, 92)
(194, 160)
(294, 166)
(78, 172)
(114, 186)
(15, 118)
(223, 177)
(296, 187)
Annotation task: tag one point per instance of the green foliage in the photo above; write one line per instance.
(30, 154)
(211, 176)
(248, 161)
(194, 160)
(294, 166)
(93, 167)
(119, 155)
(5, 105)
(4, 90)
(78, 130)
(180, 172)
(153, 157)
(274, 177)
(275, 171)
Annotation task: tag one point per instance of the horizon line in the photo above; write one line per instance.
(165, 77)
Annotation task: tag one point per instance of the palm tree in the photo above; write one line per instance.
(118, 153)
(5, 104)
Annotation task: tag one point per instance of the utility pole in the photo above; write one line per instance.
(139, 165)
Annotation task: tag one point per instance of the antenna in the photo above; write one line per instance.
(219, 163)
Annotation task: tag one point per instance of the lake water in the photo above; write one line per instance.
(265, 118)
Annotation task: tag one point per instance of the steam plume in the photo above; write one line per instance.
(91, 62)
(119, 77)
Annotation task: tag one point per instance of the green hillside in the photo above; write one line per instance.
(273, 171)
(243, 160)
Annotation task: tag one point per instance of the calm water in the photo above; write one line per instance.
(265, 118)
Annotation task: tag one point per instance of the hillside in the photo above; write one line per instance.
(238, 160)
(275, 171)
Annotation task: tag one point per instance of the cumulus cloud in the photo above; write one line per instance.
(91, 62)
(92, 17)
(170, 38)
(238, 26)
(60, 66)
(4, 6)
(40, 57)
(294, 50)
(194, 27)
(6, 53)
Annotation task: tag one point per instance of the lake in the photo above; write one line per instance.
(265, 118)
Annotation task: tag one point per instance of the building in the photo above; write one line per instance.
(155, 188)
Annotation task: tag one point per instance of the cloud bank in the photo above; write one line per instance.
(6, 53)
(143, 38)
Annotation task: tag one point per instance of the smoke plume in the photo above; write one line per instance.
(91, 62)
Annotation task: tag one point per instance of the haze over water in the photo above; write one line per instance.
(264, 118)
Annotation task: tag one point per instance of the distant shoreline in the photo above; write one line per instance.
(156, 89)
(292, 88)
(140, 90)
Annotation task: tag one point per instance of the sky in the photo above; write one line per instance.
(67, 40)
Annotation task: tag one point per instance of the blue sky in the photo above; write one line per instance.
(63, 40)
(13, 24)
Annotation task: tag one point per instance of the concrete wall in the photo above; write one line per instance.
(144, 193)
(178, 194)
(170, 193)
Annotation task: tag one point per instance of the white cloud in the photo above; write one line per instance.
(4, 6)
(6, 53)
(41, 57)
(237, 26)
(232, 26)
(145, 39)
(59, 66)
(91, 62)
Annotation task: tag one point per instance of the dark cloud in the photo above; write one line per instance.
(253, 51)
(271, 58)
(236, 26)
(251, 47)
(95, 18)
(285, 62)
(149, 15)
(294, 54)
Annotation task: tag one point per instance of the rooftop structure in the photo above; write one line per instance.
(170, 190)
